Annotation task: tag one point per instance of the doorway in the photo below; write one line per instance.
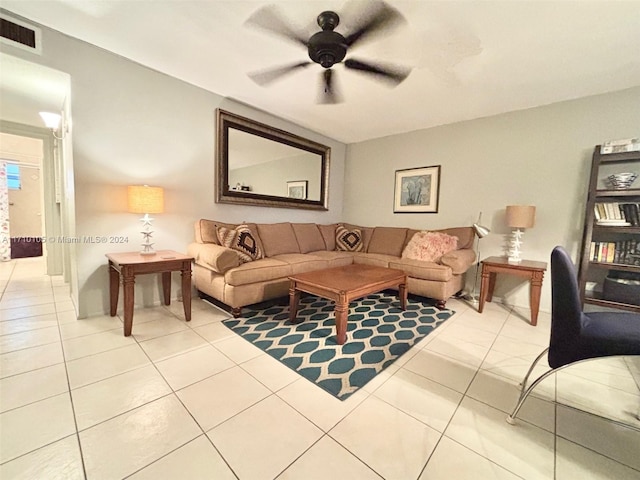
(22, 159)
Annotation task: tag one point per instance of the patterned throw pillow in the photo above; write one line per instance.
(241, 240)
(348, 240)
(429, 246)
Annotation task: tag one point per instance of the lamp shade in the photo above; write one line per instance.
(521, 216)
(481, 231)
(145, 199)
(51, 120)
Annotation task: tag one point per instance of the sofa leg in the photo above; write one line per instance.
(236, 312)
(440, 304)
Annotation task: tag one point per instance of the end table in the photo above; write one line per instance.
(128, 265)
(530, 269)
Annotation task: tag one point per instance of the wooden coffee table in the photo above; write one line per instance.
(343, 285)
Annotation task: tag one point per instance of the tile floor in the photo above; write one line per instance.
(192, 400)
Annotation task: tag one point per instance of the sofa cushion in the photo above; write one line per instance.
(302, 262)
(366, 233)
(277, 238)
(206, 230)
(242, 240)
(329, 235)
(429, 246)
(423, 270)
(465, 235)
(335, 258)
(375, 259)
(387, 240)
(308, 236)
(349, 240)
(261, 270)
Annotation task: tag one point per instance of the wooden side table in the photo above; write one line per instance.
(128, 265)
(534, 271)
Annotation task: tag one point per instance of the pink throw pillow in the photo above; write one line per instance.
(429, 246)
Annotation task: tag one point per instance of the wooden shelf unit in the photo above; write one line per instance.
(587, 268)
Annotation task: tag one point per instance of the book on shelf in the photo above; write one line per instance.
(621, 146)
(622, 252)
(617, 212)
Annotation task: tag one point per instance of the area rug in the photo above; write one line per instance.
(378, 333)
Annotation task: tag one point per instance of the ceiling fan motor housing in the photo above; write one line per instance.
(327, 47)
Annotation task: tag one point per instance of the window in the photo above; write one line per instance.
(13, 176)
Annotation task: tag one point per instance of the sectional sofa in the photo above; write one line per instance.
(223, 271)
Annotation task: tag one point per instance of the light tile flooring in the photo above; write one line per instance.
(192, 400)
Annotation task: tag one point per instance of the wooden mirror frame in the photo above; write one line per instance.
(226, 120)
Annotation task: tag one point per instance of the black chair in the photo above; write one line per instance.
(575, 335)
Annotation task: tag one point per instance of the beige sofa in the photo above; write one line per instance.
(291, 248)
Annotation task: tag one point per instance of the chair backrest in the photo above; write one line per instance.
(566, 308)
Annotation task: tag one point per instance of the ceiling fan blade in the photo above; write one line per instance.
(329, 93)
(271, 19)
(378, 16)
(391, 73)
(267, 76)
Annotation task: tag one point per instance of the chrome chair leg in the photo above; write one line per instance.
(524, 391)
(523, 384)
(512, 418)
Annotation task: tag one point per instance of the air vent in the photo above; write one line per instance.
(20, 34)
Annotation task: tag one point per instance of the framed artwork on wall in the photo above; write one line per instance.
(297, 189)
(417, 190)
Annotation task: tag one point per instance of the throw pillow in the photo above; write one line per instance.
(429, 246)
(241, 240)
(349, 240)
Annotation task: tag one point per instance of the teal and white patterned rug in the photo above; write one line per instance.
(378, 333)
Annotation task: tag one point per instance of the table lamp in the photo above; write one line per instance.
(146, 199)
(519, 216)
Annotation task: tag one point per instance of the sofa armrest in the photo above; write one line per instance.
(459, 260)
(215, 257)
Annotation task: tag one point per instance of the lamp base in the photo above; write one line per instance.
(146, 252)
(514, 260)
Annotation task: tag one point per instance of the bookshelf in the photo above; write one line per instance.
(611, 235)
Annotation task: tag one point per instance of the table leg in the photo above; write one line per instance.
(114, 289)
(341, 312)
(402, 293)
(484, 286)
(534, 296)
(166, 287)
(128, 287)
(294, 298)
(186, 291)
(492, 285)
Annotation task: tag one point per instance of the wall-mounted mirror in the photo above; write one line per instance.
(264, 166)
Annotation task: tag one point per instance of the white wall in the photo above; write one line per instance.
(540, 156)
(132, 125)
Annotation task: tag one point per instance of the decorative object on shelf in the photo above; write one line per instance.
(622, 181)
(297, 189)
(481, 232)
(146, 199)
(417, 190)
(621, 146)
(519, 216)
(54, 121)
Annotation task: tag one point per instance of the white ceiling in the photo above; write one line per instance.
(470, 58)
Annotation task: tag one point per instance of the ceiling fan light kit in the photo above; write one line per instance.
(328, 47)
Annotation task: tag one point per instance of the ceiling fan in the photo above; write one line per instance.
(328, 47)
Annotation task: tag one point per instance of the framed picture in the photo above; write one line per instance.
(297, 189)
(417, 190)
